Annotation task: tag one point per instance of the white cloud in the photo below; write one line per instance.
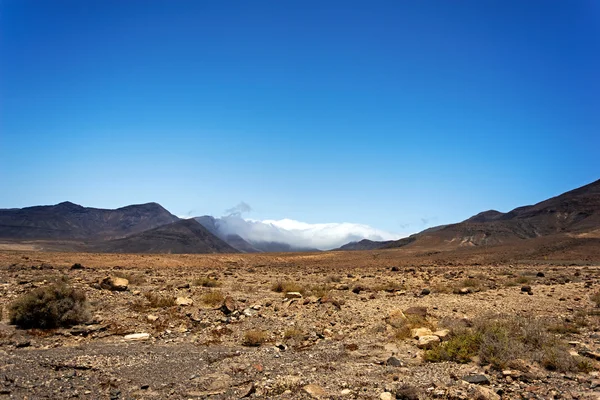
(301, 234)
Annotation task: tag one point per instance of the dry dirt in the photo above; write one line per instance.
(334, 342)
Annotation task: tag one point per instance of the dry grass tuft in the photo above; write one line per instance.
(213, 298)
(159, 301)
(254, 338)
(207, 282)
(286, 287)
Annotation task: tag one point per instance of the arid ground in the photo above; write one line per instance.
(226, 326)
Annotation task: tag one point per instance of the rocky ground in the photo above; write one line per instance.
(326, 325)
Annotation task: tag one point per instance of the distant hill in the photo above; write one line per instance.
(572, 213)
(181, 237)
(68, 221)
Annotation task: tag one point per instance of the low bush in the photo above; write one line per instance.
(207, 282)
(159, 301)
(286, 287)
(254, 338)
(213, 298)
(52, 306)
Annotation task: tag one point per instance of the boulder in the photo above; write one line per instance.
(184, 301)
(420, 332)
(114, 283)
(229, 305)
(442, 333)
(427, 342)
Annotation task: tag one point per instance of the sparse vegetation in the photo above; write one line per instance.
(157, 300)
(286, 287)
(53, 306)
(213, 298)
(293, 334)
(595, 297)
(207, 281)
(500, 340)
(254, 337)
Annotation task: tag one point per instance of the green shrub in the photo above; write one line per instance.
(460, 348)
(52, 306)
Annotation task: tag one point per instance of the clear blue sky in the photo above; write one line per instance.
(398, 114)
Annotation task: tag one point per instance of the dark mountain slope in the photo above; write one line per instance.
(571, 213)
(68, 221)
(182, 237)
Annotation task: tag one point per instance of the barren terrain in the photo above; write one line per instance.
(335, 341)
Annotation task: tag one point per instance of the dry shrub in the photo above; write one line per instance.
(293, 334)
(213, 298)
(53, 306)
(333, 279)
(254, 338)
(499, 340)
(318, 291)
(286, 287)
(207, 281)
(388, 287)
(159, 301)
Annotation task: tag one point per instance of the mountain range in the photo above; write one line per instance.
(150, 228)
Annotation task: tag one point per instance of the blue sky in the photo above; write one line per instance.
(399, 115)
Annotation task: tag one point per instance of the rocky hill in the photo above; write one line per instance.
(68, 221)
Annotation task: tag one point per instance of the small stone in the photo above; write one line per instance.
(425, 292)
(478, 379)
(386, 396)
(526, 289)
(293, 295)
(393, 362)
(151, 318)
(346, 392)
(464, 291)
(184, 301)
(137, 336)
(540, 274)
(315, 391)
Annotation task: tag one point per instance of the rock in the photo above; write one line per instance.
(442, 333)
(420, 311)
(346, 392)
(114, 283)
(293, 295)
(137, 336)
(315, 391)
(526, 289)
(247, 390)
(419, 332)
(425, 292)
(151, 318)
(393, 362)
(395, 269)
(427, 342)
(540, 274)
(464, 291)
(386, 396)
(249, 312)
(228, 306)
(483, 393)
(184, 301)
(478, 379)
(396, 318)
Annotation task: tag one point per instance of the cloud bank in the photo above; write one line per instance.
(299, 234)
